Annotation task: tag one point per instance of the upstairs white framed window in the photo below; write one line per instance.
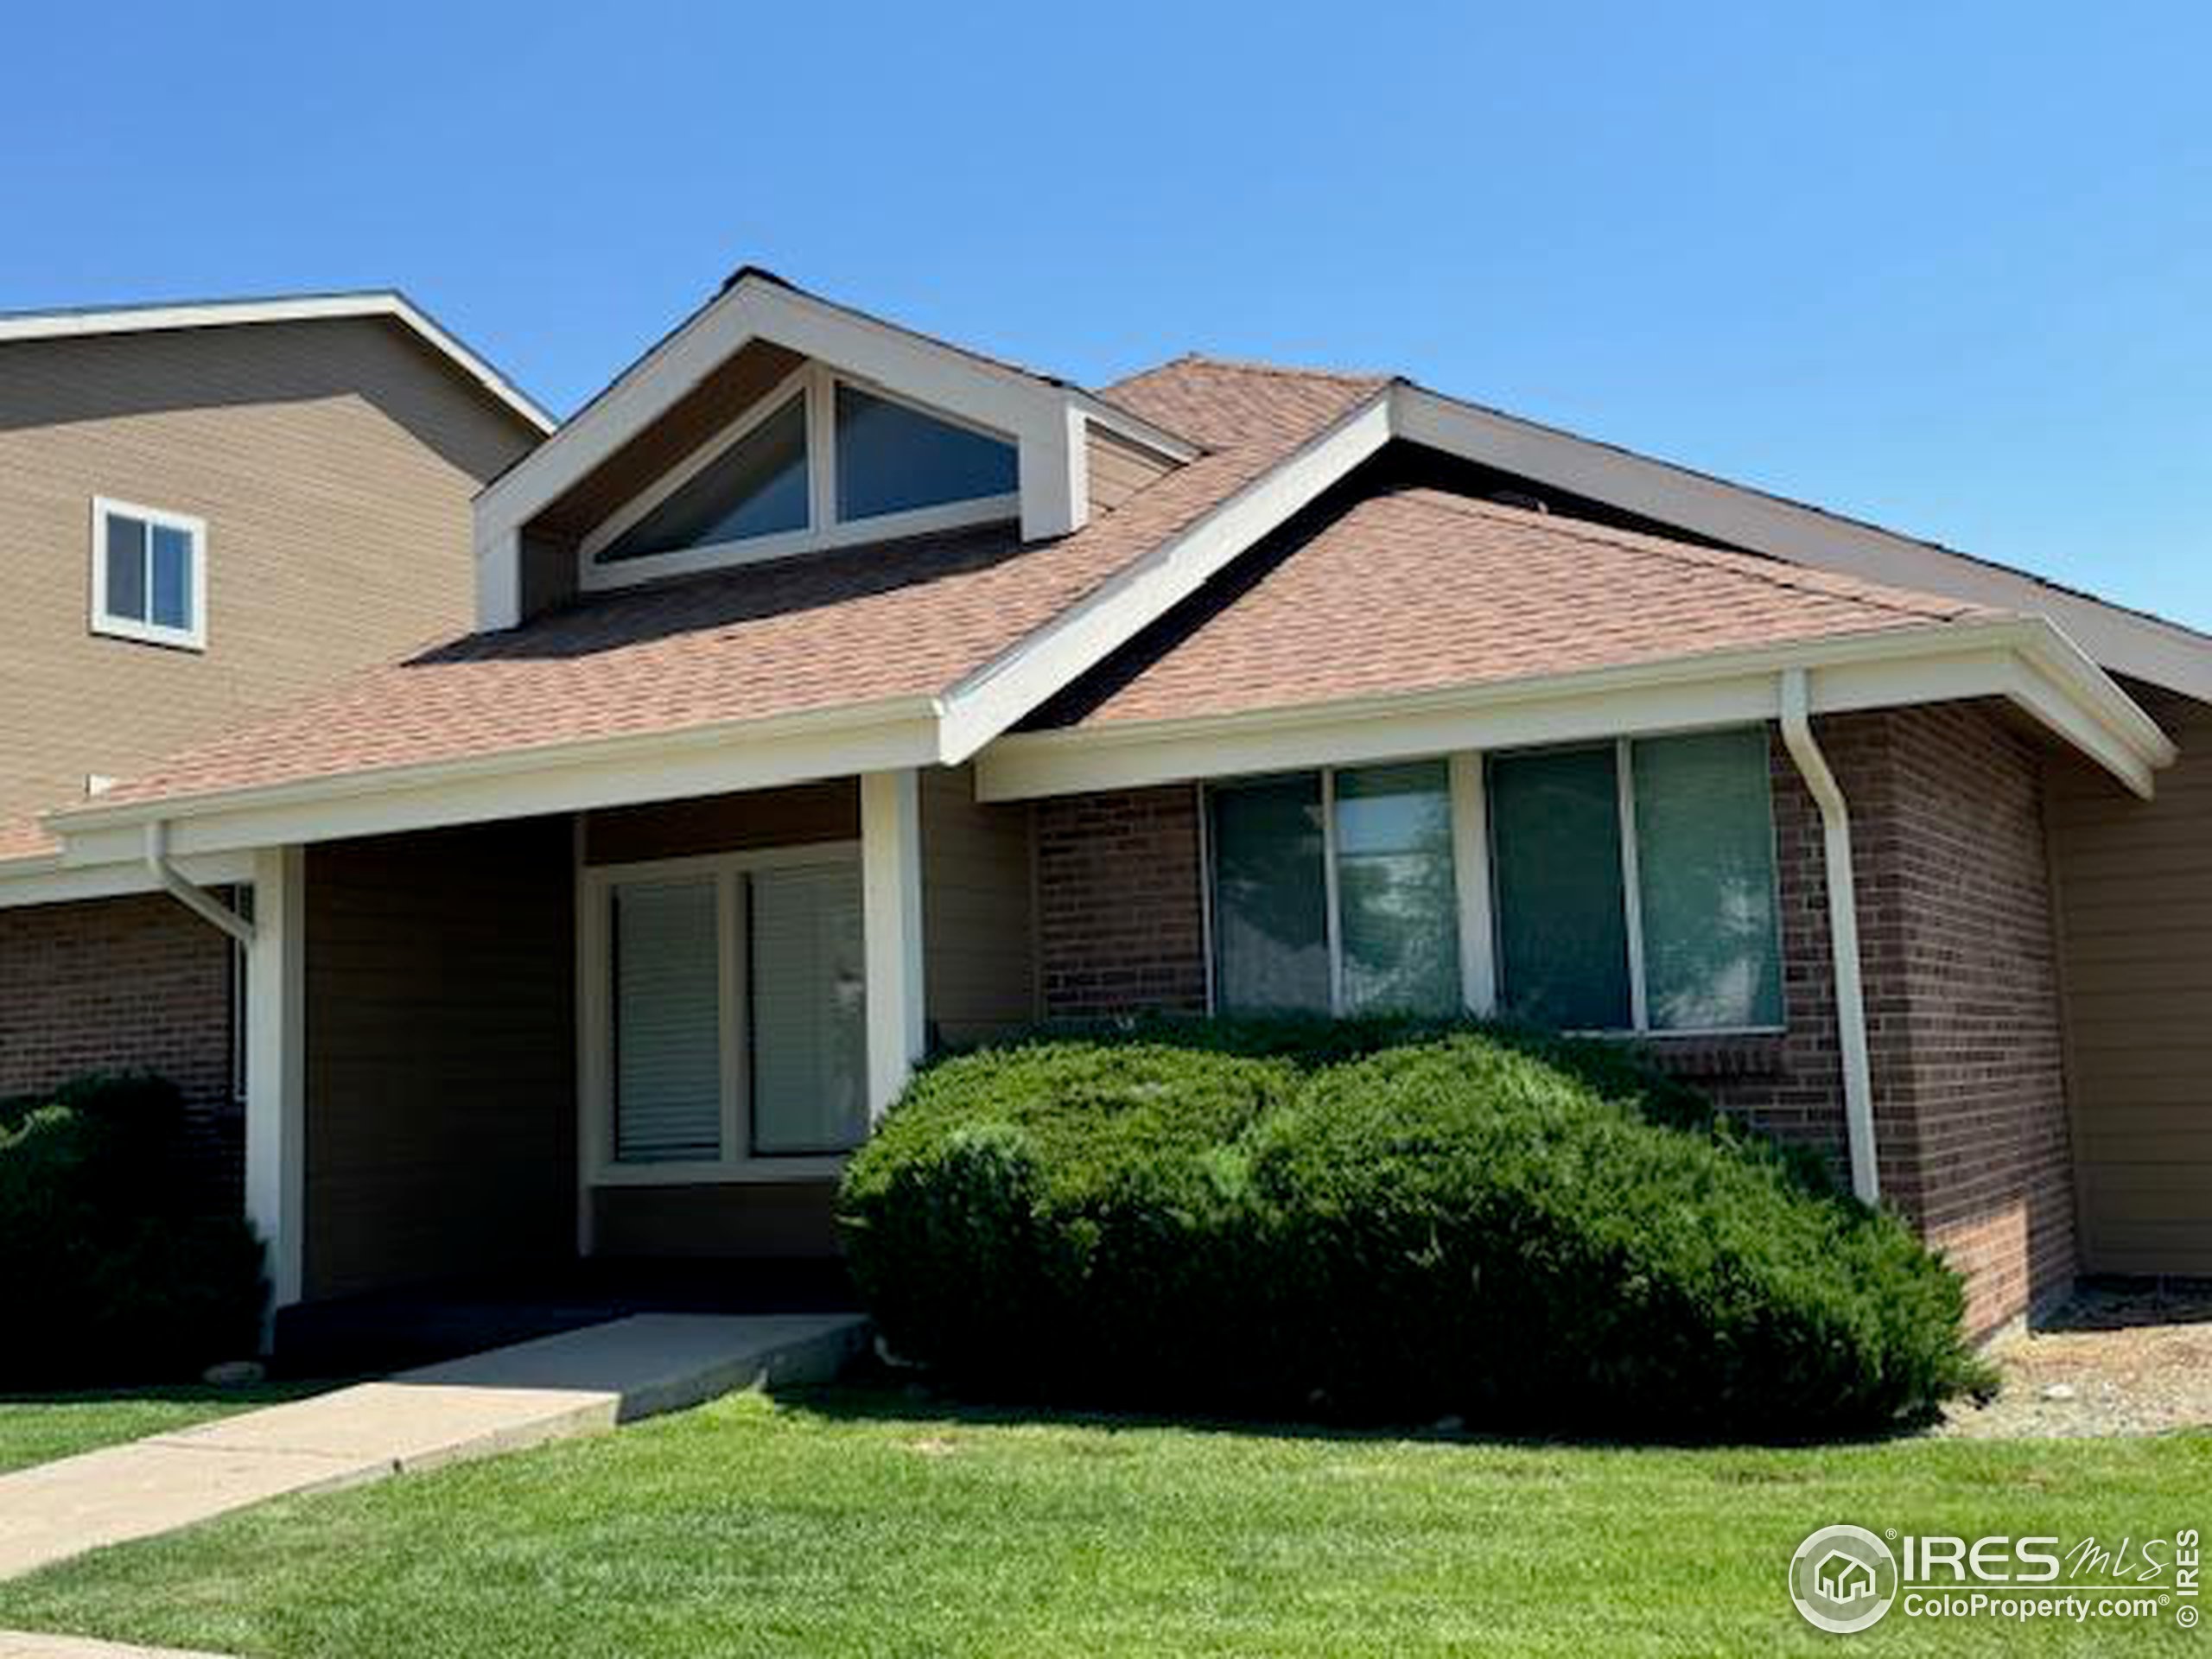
(150, 574)
(822, 460)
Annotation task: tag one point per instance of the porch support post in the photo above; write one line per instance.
(891, 924)
(276, 1108)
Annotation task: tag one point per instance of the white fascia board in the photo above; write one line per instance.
(302, 307)
(614, 772)
(996, 694)
(1940, 663)
(2126, 641)
(1032, 412)
(49, 881)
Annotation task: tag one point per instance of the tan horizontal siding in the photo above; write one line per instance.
(1119, 468)
(334, 463)
(978, 914)
(440, 1046)
(2134, 891)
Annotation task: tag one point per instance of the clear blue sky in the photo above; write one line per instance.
(1945, 267)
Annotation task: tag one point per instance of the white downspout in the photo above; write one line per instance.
(1843, 930)
(197, 899)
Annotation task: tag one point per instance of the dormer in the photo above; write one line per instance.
(773, 425)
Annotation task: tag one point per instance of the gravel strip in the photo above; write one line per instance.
(2131, 1359)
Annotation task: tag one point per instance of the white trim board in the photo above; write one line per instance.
(2126, 641)
(296, 307)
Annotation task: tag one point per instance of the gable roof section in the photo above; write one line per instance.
(388, 304)
(1044, 416)
(1417, 590)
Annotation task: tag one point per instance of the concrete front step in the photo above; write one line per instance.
(582, 1381)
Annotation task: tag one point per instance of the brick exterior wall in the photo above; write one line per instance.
(1958, 961)
(1968, 1052)
(1119, 923)
(137, 983)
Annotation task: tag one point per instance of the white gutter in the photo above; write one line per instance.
(195, 899)
(1843, 930)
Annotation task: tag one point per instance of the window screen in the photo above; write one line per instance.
(667, 1022)
(1271, 949)
(1562, 930)
(1397, 906)
(1705, 865)
(809, 1013)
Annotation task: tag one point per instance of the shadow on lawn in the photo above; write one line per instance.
(173, 1393)
(873, 1392)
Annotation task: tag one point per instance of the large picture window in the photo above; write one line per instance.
(728, 1029)
(1635, 884)
(1618, 887)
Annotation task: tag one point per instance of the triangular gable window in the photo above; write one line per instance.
(757, 487)
(830, 464)
(891, 458)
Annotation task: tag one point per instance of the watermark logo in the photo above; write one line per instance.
(1843, 1579)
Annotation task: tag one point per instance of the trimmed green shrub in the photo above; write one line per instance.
(112, 1276)
(1055, 1216)
(1518, 1228)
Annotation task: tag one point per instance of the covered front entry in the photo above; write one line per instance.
(639, 1033)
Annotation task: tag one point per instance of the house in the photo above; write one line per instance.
(835, 691)
(1843, 1578)
(208, 513)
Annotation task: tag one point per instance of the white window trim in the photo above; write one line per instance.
(1632, 890)
(595, 1021)
(816, 383)
(193, 638)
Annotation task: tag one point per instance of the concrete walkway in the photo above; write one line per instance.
(29, 1645)
(579, 1382)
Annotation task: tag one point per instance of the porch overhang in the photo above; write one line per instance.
(513, 783)
(2026, 662)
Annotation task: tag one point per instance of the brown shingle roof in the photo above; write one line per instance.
(1417, 590)
(816, 632)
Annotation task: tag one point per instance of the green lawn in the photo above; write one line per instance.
(37, 1429)
(854, 1523)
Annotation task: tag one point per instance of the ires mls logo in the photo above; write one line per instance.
(1843, 1579)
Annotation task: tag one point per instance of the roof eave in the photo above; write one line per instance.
(2023, 660)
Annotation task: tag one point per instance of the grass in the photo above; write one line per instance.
(37, 1429)
(860, 1522)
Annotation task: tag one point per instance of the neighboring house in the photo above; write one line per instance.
(207, 512)
(835, 691)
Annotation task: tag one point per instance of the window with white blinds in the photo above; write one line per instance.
(731, 1026)
(810, 1023)
(667, 1007)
